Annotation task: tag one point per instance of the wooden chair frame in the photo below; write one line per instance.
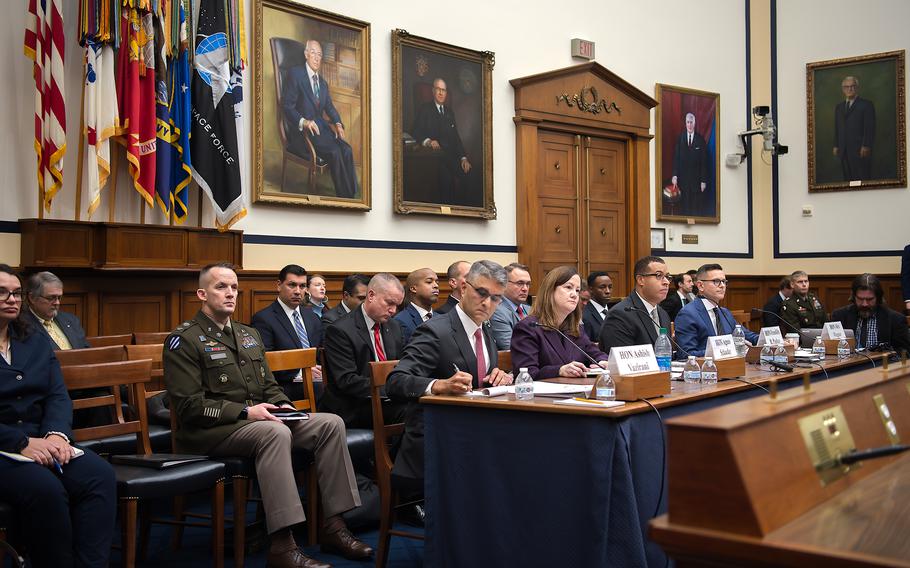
(109, 340)
(150, 337)
(382, 435)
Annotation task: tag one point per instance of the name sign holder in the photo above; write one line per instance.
(635, 372)
(770, 335)
(834, 330)
(723, 350)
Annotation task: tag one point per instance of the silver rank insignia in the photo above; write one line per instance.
(223, 379)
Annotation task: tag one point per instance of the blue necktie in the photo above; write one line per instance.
(316, 86)
(301, 331)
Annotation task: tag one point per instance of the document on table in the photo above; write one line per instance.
(491, 392)
(593, 403)
(20, 458)
(544, 388)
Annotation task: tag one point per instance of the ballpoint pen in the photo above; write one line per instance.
(590, 400)
(58, 467)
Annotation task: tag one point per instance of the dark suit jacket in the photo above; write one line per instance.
(772, 305)
(630, 327)
(690, 165)
(673, 304)
(853, 129)
(442, 128)
(543, 351)
(409, 319)
(591, 322)
(278, 334)
(68, 323)
(435, 349)
(905, 272)
(333, 315)
(33, 396)
(694, 327)
(892, 326)
(450, 304)
(346, 366)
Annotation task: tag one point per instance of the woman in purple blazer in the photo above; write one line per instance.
(536, 343)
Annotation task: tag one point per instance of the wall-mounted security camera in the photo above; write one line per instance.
(764, 125)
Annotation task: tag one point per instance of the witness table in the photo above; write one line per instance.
(532, 483)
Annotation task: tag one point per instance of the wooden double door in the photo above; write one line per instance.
(580, 204)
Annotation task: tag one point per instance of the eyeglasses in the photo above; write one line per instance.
(717, 282)
(16, 295)
(521, 283)
(659, 276)
(53, 299)
(484, 294)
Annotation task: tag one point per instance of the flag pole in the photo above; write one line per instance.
(199, 206)
(79, 165)
(112, 202)
(141, 211)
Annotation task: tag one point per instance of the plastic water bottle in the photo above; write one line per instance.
(843, 349)
(524, 386)
(663, 349)
(739, 340)
(692, 371)
(780, 355)
(818, 348)
(709, 372)
(605, 388)
(767, 355)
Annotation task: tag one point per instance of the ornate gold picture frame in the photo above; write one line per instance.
(311, 138)
(442, 134)
(857, 119)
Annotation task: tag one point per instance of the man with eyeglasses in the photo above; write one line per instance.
(802, 309)
(45, 290)
(704, 317)
(452, 353)
(636, 319)
(513, 307)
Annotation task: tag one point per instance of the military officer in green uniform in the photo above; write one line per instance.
(802, 309)
(223, 393)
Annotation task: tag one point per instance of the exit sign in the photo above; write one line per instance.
(582, 48)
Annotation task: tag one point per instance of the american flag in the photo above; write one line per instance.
(44, 45)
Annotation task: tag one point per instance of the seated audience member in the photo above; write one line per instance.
(679, 297)
(221, 412)
(691, 293)
(536, 343)
(65, 331)
(421, 292)
(315, 294)
(636, 319)
(772, 306)
(450, 354)
(873, 323)
(802, 308)
(369, 334)
(284, 325)
(353, 293)
(600, 286)
(584, 296)
(455, 275)
(513, 307)
(65, 506)
(704, 317)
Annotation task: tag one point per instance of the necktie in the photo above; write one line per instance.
(316, 86)
(690, 141)
(441, 112)
(61, 340)
(301, 331)
(481, 358)
(380, 354)
(521, 313)
(604, 313)
(720, 321)
(428, 316)
(655, 318)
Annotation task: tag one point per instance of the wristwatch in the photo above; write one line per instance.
(244, 413)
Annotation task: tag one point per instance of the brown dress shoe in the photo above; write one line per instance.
(293, 558)
(344, 543)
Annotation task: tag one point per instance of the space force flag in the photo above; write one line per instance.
(216, 117)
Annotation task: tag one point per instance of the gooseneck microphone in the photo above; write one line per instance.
(559, 331)
(870, 454)
(658, 328)
(780, 319)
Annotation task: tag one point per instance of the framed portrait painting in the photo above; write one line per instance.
(311, 136)
(687, 171)
(857, 123)
(441, 128)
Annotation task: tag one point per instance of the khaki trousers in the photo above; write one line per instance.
(270, 444)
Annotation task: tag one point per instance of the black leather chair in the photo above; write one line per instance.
(7, 520)
(138, 483)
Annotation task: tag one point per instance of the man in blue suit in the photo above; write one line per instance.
(45, 290)
(513, 307)
(283, 325)
(704, 317)
(422, 291)
(307, 103)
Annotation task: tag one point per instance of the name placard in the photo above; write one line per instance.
(721, 347)
(833, 330)
(771, 336)
(632, 360)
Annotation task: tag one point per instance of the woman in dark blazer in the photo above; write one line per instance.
(65, 505)
(544, 351)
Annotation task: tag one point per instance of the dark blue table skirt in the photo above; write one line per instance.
(512, 488)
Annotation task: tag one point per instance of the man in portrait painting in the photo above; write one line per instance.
(690, 169)
(854, 131)
(310, 113)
